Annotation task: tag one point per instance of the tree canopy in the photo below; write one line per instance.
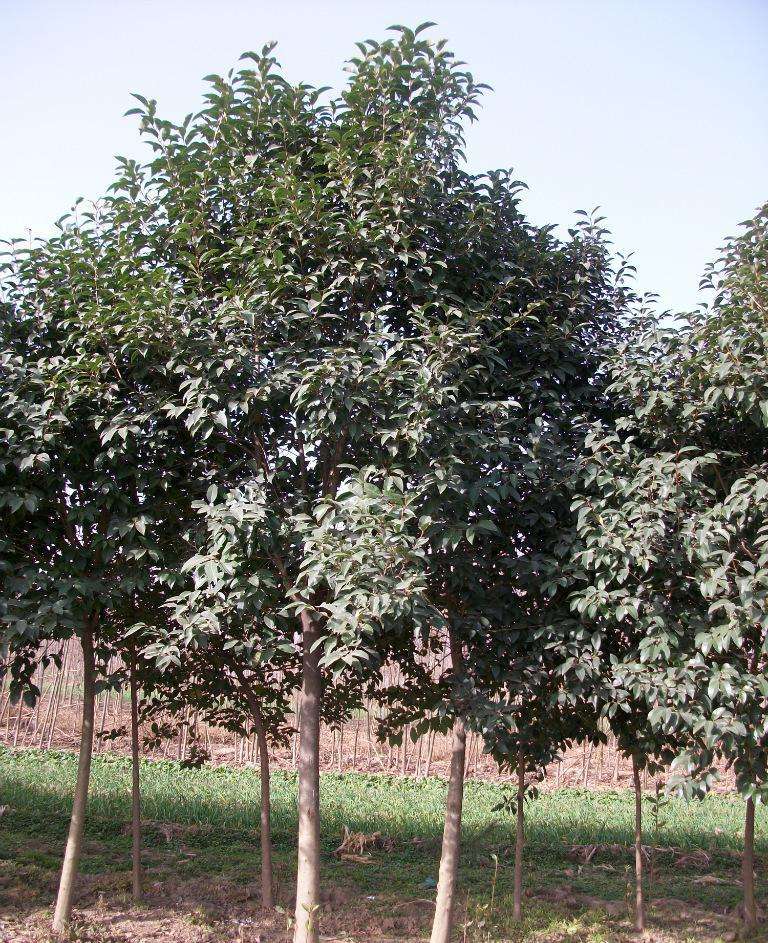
(301, 396)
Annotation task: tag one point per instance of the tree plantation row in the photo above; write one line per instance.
(53, 722)
(304, 415)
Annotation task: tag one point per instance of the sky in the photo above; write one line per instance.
(655, 111)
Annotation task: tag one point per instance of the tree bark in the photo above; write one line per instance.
(64, 899)
(307, 928)
(267, 882)
(449, 857)
(135, 785)
(639, 903)
(430, 754)
(748, 868)
(517, 900)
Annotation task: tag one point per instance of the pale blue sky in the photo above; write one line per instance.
(656, 111)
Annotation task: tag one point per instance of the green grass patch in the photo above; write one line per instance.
(216, 810)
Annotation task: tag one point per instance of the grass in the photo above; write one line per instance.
(217, 809)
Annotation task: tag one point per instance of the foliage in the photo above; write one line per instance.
(90, 471)
(671, 554)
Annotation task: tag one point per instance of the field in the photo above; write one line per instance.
(202, 857)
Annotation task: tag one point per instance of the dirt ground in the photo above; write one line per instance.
(210, 911)
(200, 911)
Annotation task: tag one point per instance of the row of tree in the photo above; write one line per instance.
(53, 722)
(302, 398)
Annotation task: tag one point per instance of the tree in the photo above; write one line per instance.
(673, 532)
(633, 597)
(228, 651)
(494, 467)
(320, 314)
(218, 687)
(273, 253)
(726, 386)
(88, 470)
(291, 244)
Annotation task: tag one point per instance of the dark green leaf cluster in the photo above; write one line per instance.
(670, 559)
(302, 363)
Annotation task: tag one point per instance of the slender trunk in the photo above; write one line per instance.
(39, 705)
(6, 704)
(517, 900)
(308, 872)
(55, 718)
(468, 759)
(449, 858)
(100, 742)
(748, 868)
(73, 850)
(430, 753)
(135, 785)
(44, 726)
(17, 727)
(183, 735)
(295, 737)
(639, 904)
(267, 882)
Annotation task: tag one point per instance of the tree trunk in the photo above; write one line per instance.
(62, 688)
(135, 785)
(449, 858)
(267, 882)
(748, 868)
(517, 900)
(267, 899)
(430, 754)
(308, 873)
(639, 904)
(74, 846)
